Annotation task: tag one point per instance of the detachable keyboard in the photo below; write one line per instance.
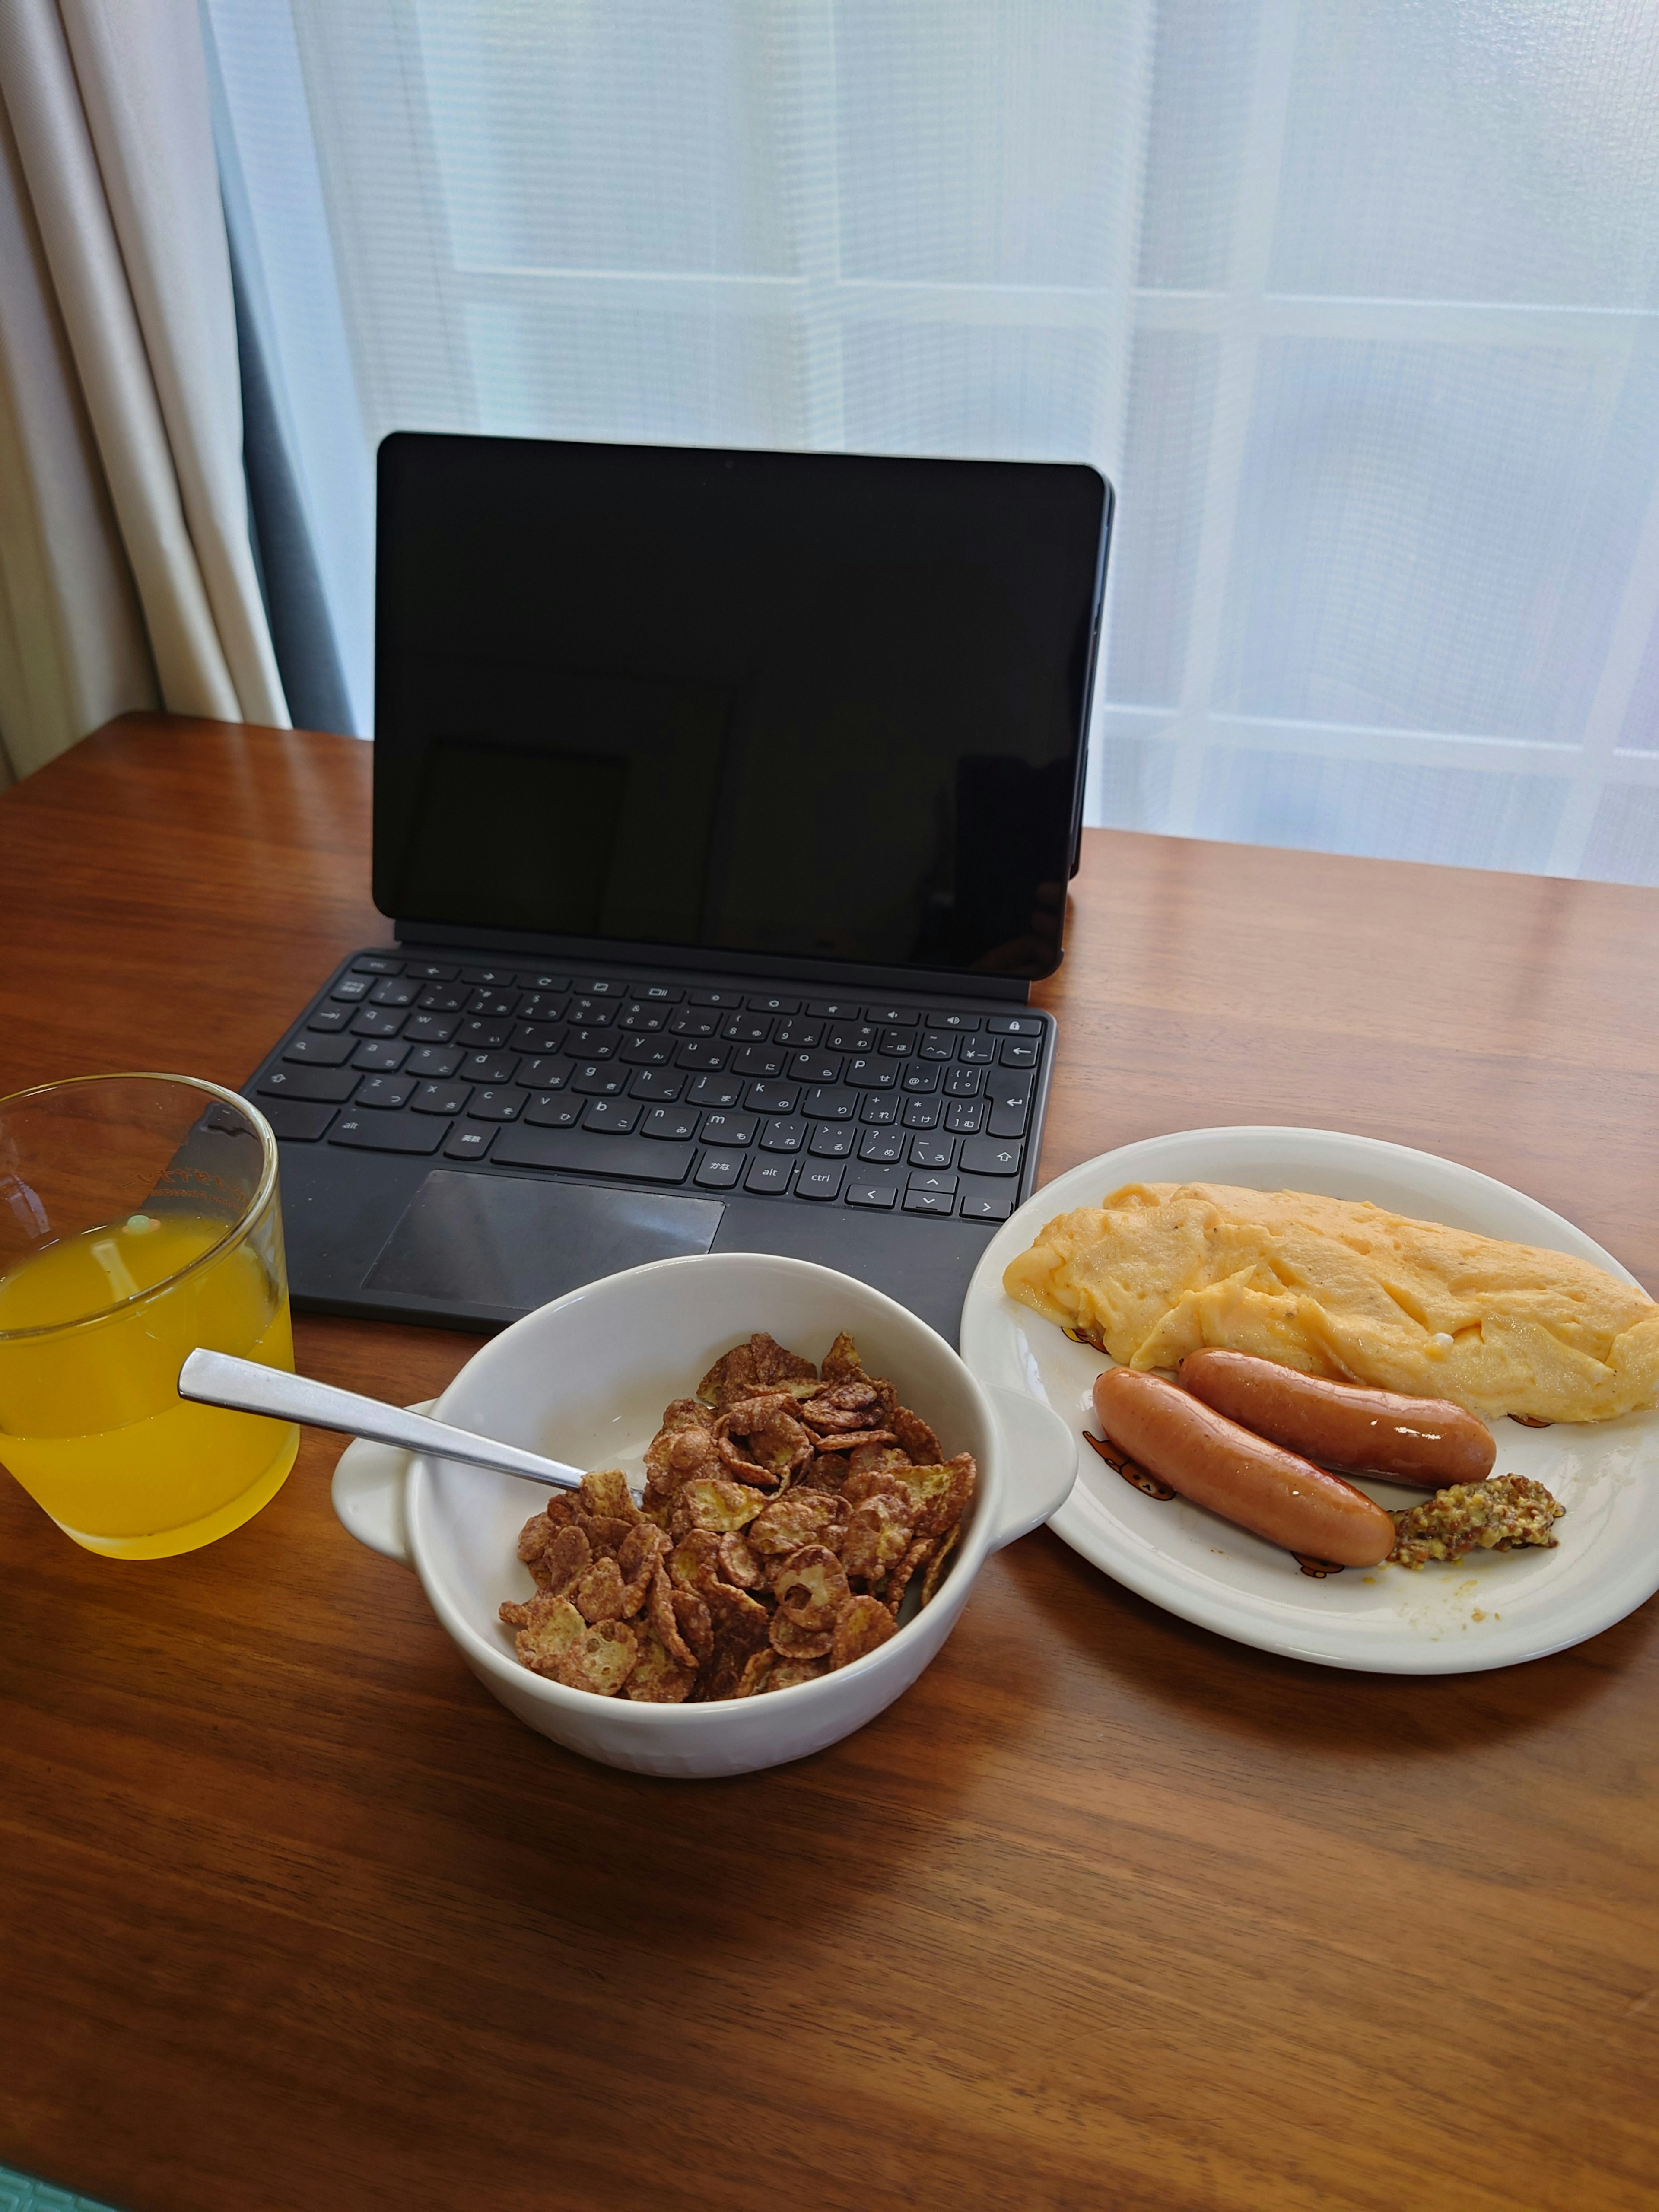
(906, 1106)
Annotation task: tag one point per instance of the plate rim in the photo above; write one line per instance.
(985, 1302)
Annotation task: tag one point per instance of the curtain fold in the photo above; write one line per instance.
(113, 178)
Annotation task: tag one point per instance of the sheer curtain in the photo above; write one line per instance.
(1357, 303)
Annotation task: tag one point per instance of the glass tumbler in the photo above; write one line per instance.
(138, 1220)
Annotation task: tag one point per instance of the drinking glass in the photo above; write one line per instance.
(139, 1219)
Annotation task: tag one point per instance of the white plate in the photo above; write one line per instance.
(1490, 1610)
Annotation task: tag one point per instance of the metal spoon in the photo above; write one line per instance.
(214, 1378)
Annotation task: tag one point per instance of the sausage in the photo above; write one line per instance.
(1420, 1440)
(1261, 1486)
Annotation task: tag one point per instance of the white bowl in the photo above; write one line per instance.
(585, 1380)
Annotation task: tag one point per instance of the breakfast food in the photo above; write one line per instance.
(1215, 1462)
(1504, 1514)
(788, 1511)
(1347, 1291)
(1426, 1440)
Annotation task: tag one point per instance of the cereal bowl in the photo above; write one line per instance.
(585, 1379)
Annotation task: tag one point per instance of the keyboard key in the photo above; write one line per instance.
(818, 1182)
(714, 1090)
(1017, 1052)
(605, 987)
(653, 1083)
(486, 975)
(377, 964)
(294, 1123)
(352, 987)
(542, 1006)
(883, 1015)
(634, 1157)
(667, 994)
(944, 1184)
(547, 1111)
(329, 1017)
(613, 1117)
(1024, 1025)
(492, 1005)
(592, 1079)
(757, 1060)
(929, 1151)
(719, 1171)
(377, 1057)
(692, 1022)
(388, 1133)
(497, 1103)
(963, 1082)
(831, 1140)
(884, 1146)
(387, 1091)
(832, 1105)
(537, 1036)
(966, 1117)
(432, 1059)
(977, 1050)
(466, 1141)
(1009, 1117)
(540, 1072)
(700, 1055)
(717, 998)
(321, 1051)
(441, 1097)
(768, 1176)
(588, 1044)
(746, 1029)
(866, 1074)
(987, 1155)
(785, 1134)
(473, 1037)
(541, 981)
(430, 1029)
(774, 1006)
(920, 1077)
(591, 1013)
(798, 1036)
(930, 1201)
(898, 1044)
(950, 1019)
(430, 971)
(377, 1021)
(678, 1124)
(923, 1113)
(871, 1193)
(987, 1206)
(878, 1112)
(814, 1067)
(851, 1037)
(772, 1099)
(334, 1084)
(487, 1068)
(647, 1052)
(442, 999)
(844, 1009)
(938, 1044)
(729, 1129)
(394, 991)
(634, 1016)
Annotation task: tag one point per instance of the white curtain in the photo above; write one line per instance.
(126, 574)
(1358, 304)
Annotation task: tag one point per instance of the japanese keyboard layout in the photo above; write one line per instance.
(831, 1101)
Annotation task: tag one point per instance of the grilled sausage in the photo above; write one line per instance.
(1419, 1440)
(1215, 1462)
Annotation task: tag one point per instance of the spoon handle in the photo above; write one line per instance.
(214, 1378)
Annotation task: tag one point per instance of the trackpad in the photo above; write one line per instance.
(508, 1242)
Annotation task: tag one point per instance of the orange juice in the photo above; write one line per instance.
(91, 1422)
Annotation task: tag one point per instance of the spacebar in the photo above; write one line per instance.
(644, 1158)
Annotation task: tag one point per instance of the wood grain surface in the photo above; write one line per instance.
(1105, 1911)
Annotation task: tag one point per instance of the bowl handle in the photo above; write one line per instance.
(369, 1494)
(1039, 1462)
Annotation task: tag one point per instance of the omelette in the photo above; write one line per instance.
(1346, 1291)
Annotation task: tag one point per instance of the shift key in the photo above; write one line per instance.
(1010, 1092)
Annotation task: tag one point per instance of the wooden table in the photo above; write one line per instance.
(1106, 1912)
